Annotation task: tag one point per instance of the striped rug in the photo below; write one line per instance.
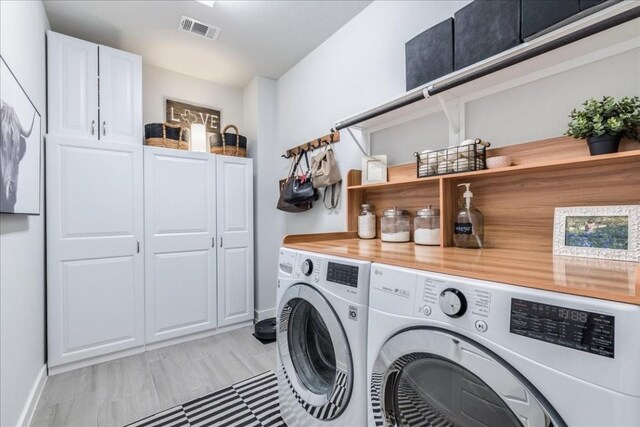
(249, 403)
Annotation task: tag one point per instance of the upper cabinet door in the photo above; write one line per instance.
(120, 96)
(72, 87)
(235, 230)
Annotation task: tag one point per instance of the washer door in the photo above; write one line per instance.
(314, 352)
(433, 377)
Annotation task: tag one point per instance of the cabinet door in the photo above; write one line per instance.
(235, 231)
(72, 81)
(180, 267)
(95, 268)
(120, 96)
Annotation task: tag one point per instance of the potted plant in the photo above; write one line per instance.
(604, 123)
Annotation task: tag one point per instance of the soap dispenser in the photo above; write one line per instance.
(469, 224)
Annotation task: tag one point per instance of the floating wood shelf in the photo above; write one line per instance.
(610, 280)
(406, 174)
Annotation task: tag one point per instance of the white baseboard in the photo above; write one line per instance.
(70, 366)
(34, 397)
(264, 314)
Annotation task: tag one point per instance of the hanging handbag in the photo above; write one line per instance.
(288, 207)
(300, 189)
(324, 169)
(325, 173)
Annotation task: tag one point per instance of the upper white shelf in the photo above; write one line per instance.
(607, 43)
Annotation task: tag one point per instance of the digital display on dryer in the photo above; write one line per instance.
(342, 274)
(577, 329)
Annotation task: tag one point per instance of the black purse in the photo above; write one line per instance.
(299, 189)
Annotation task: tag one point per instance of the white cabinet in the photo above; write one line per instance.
(95, 283)
(120, 96)
(89, 101)
(72, 81)
(180, 250)
(235, 231)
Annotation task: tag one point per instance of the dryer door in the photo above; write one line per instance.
(434, 377)
(314, 352)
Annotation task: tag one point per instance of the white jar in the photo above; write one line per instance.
(366, 222)
(427, 227)
(395, 226)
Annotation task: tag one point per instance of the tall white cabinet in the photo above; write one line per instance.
(145, 246)
(199, 242)
(180, 255)
(235, 232)
(95, 275)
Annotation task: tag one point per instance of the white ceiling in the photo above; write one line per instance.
(258, 38)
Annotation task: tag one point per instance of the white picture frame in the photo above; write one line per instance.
(374, 169)
(605, 232)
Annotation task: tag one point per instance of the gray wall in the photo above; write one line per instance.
(22, 269)
(159, 84)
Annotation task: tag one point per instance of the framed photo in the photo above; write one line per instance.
(609, 232)
(374, 169)
(20, 147)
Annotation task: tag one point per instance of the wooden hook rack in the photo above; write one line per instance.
(312, 145)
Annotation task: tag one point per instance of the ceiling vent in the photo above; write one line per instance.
(193, 26)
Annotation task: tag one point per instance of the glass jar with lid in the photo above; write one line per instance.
(367, 222)
(395, 225)
(427, 227)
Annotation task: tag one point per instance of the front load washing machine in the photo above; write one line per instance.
(452, 351)
(322, 339)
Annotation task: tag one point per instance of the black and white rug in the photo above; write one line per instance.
(249, 403)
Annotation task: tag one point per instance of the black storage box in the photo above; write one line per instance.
(429, 55)
(485, 28)
(539, 15)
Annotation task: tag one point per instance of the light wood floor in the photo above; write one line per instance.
(122, 391)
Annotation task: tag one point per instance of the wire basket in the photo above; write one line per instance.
(456, 159)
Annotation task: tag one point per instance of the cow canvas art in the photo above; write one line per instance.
(19, 148)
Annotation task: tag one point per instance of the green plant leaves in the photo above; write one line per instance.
(606, 117)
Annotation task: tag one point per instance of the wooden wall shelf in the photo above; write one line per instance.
(518, 201)
(405, 174)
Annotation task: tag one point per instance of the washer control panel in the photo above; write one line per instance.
(342, 274)
(445, 300)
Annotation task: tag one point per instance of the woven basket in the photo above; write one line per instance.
(165, 142)
(228, 144)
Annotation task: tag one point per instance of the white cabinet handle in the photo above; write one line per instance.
(220, 241)
(93, 127)
(213, 242)
(104, 128)
(138, 246)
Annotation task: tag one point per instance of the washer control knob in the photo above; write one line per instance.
(452, 302)
(426, 310)
(307, 267)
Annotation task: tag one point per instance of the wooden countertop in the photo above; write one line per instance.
(603, 279)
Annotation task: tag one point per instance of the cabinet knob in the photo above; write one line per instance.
(93, 127)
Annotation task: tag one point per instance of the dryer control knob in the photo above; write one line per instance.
(307, 267)
(452, 302)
